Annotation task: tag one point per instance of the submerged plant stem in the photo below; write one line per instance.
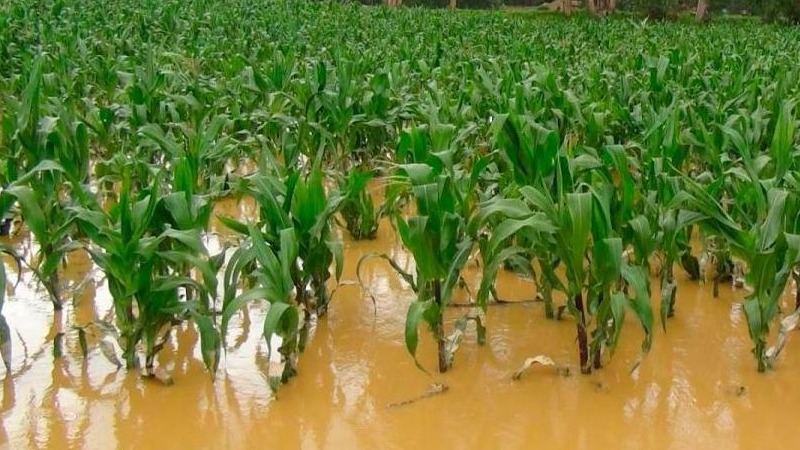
(439, 331)
(547, 296)
(583, 341)
(53, 290)
(796, 276)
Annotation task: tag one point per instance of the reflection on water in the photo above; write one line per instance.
(698, 387)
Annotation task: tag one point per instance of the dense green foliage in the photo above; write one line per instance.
(575, 151)
(787, 11)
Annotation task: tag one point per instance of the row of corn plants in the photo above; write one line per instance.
(604, 160)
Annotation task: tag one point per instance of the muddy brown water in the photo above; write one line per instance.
(697, 388)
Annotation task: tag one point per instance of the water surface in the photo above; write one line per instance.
(697, 388)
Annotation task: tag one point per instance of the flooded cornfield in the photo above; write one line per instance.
(358, 388)
(295, 224)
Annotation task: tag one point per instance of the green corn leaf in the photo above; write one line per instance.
(415, 316)
(773, 224)
(755, 325)
(643, 241)
(171, 283)
(783, 138)
(282, 320)
(607, 260)
(407, 277)
(178, 208)
(190, 238)
(455, 268)
(233, 224)
(536, 223)
(579, 206)
(210, 343)
(34, 216)
(418, 174)
(618, 303)
(490, 268)
(44, 166)
(506, 208)
(637, 278)
(235, 305)
(337, 250)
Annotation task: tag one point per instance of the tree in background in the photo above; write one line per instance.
(786, 11)
(782, 11)
(702, 6)
(601, 7)
(654, 9)
(566, 6)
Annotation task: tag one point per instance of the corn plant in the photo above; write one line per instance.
(35, 142)
(270, 266)
(759, 225)
(5, 330)
(128, 246)
(443, 191)
(437, 239)
(529, 153)
(770, 252)
(300, 202)
(576, 229)
(574, 212)
(202, 149)
(660, 229)
(524, 126)
(358, 208)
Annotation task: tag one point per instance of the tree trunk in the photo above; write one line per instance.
(612, 5)
(591, 5)
(453, 4)
(702, 6)
(566, 6)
